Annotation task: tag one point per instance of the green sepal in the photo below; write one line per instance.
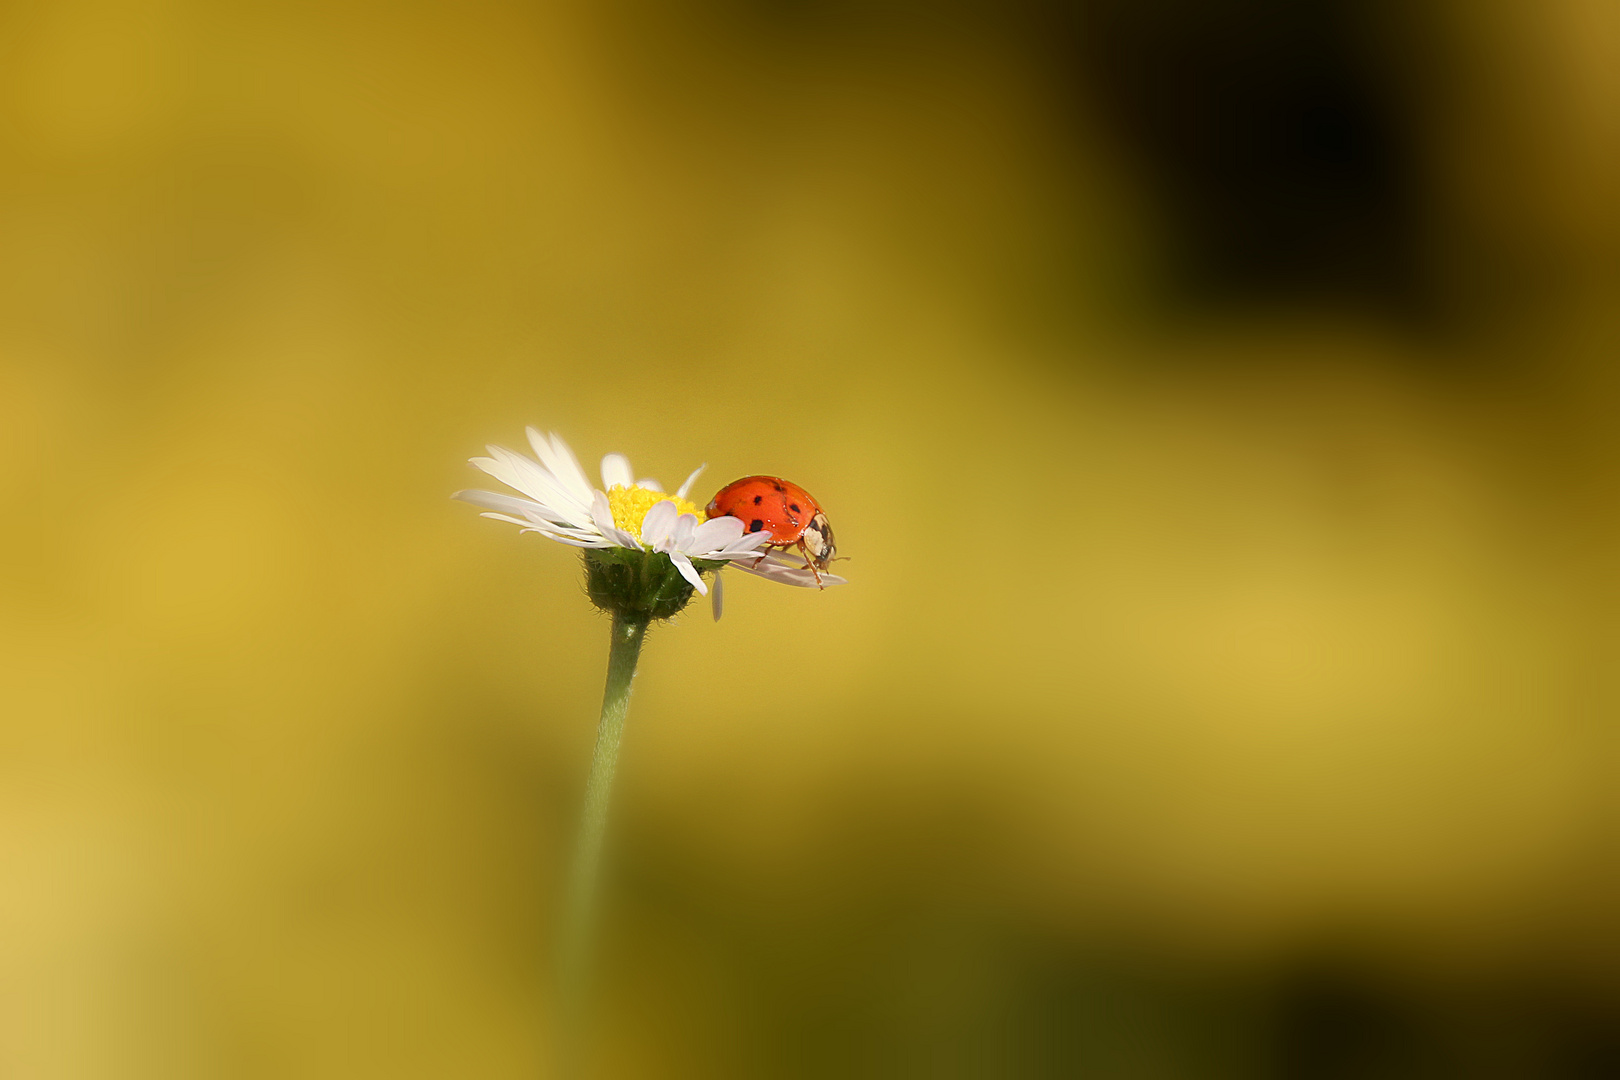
(639, 586)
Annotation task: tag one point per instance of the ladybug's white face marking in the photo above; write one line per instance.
(818, 539)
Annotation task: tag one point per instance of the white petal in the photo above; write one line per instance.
(715, 534)
(744, 545)
(516, 471)
(717, 598)
(655, 527)
(787, 560)
(778, 558)
(681, 538)
(681, 494)
(502, 469)
(545, 528)
(493, 500)
(689, 572)
(616, 472)
(508, 504)
(602, 514)
(562, 531)
(787, 575)
(650, 484)
(593, 543)
(555, 456)
(783, 576)
(519, 472)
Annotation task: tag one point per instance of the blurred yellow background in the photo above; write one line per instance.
(1216, 400)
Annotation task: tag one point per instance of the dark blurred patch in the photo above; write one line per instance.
(1273, 134)
(1332, 1025)
(888, 959)
(912, 973)
(1584, 1040)
(1277, 142)
(1334, 1021)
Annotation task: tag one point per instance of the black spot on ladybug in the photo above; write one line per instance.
(793, 507)
(758, 499)
(778, 487)
(755, 525)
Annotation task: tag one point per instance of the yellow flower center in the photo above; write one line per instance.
(630, 506)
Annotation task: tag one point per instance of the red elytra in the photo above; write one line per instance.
(785, 510)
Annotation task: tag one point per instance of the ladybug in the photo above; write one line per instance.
(785, 510)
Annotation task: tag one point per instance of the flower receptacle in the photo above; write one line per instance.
(638, 586)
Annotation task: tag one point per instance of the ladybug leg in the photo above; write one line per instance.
(810, 564)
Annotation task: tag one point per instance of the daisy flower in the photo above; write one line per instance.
(624, 520)
(645, 553)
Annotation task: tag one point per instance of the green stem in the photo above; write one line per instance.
(623, 652)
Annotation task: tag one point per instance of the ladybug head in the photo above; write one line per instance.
(818, 540)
